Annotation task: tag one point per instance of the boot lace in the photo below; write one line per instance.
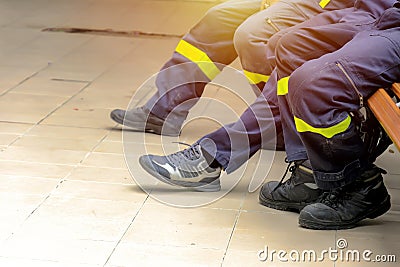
(289, 168)
(335, 197)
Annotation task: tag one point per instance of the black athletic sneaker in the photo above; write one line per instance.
(186, 168)
(345, 207)
(293, 194)
(142, 120)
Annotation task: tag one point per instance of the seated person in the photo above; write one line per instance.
(319, 133)
(233, 28)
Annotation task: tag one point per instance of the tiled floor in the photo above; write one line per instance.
(67, 197)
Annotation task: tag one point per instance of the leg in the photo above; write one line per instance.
(321, 105)
(253, 35)
(198, 58)
(297, 47)
(258, 127)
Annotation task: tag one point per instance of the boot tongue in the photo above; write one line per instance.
(303, 172)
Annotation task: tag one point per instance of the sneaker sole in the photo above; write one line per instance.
(150, 128)
(214, 186)
(381, 209)
(284, 206)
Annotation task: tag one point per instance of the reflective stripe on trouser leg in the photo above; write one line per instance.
(199, 57)
(324, 3)
(283, 86)
(327, 132)
(255, 78)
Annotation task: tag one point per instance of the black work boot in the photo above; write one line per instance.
(142, 120)
(343, 208)
(295, 193)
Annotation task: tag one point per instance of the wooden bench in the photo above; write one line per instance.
(387, 112)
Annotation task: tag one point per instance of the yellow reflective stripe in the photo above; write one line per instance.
(328, 132)
(283, 86)
(323, 3)
(255, 78)
(199, 57)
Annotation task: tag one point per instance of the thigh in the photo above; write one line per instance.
(372, 59)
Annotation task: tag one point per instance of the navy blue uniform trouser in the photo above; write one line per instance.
(260, 124)
(228, 144)
(228, 30)
(323, 92)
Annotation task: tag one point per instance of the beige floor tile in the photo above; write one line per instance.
(126, 21)
(252, 203)
(184, 197)
(389, 160)
(7, 139)
(64, 228)
(67, 132)
(185, 15)
(69, 252)
(245, 258)
(108, 160)
(98, 174)
(182, 227)
(196, 128)
(141, 63)
(48, 14)
(131, 254)
(181, 197)
(48, 46)
(392, 181)
(43, 86)
(56, 143)
(105, 100)
(395, 196)
(110, 147)
(34, 62)
(75, 117)
(90, 60)
(114, 135)
(133, 150)
(255, 230)
(16, 262)
(52, 156)
(27, 108)
(152, 140)
(91, 209)
(27, 185)
(15, 38)
(14, 128)
(23, 168)
(95, 190)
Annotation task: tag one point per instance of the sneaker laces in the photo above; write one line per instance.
(180, 158)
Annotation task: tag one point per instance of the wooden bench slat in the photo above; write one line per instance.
(396, 89)
(387, 113)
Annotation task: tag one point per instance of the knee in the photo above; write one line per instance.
(243, 37)
(213, 18)
(285, 48)
(301, 88)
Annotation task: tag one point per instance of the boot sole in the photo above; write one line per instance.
(381, 209)
(214, 186)
(284, 206)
